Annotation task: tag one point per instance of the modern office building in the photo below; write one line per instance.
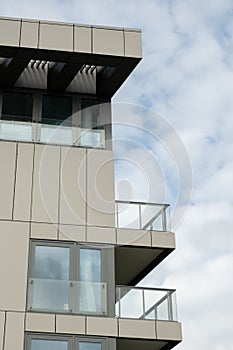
(70, 255)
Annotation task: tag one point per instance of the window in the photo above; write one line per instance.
(17, 106)
(69, 278)
(57, 110)
(57, 342)
(36, 116)
(89, 113)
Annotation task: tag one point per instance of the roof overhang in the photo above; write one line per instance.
(68, 48)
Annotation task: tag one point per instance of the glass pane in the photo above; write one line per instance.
(43, 344)
(17, 106)
(90, 274)
(84, 345)
(51, 278)
(56, 134)
(90, 265)
(128, 215)
(89, 113)
(52, 262)
(131, 303)
(15, 130)
(56, 110)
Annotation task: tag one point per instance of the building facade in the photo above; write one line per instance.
(70, 255)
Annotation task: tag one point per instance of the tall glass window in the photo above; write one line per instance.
(57, 110)
(67, 278)
(89, 113)
(17, 106)
(51, 278)
(90, 280)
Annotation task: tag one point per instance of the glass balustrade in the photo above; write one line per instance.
(143, 216)
(67, 296)
(75, 297)
(51, 134)
(145, 303)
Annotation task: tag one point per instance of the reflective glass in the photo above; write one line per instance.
(89, 113)
(90, 277)
(57, 110)
(84, 345)
(44, 344)
(51, 278)
(17, 106)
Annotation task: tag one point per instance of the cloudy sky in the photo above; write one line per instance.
(181, 95)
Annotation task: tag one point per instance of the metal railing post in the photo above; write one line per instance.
(143, 304)
(170, 310)
(140, 217)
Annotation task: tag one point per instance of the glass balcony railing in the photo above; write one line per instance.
(145, 303)
(75, 297)
(143, 216)
(52, 134)
(78, 297)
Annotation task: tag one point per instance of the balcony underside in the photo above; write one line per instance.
(132, 344)
(134, 263)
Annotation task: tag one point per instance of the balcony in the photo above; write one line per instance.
(12, 130)
(90, 298)
(142, 216)
(144, 239)
(146, 303)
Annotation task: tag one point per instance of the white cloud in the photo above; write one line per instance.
(186, 75)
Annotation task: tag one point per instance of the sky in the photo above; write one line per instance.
(178, 104)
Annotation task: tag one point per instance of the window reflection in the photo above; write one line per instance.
(90, 278)
(17, 106)
(51, 283)
(84, 345)
(43, 344)
(57, 110)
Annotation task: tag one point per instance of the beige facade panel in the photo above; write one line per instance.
(102, 326)
(72, 233)
(9, 32)
(7, 178)
(70, 324)
(23, 182)
(101, 235)
(141, 329)
(2, 327)
(73, 186)
(44, 231)
(108, 41)
(133, 237)
(56, 36)
(133, 44)
(168, 330)
(163, 239)
(14, 337)
(82, 39)
(45, 184)
(100, 188)
(29, 34)
(36, 322)
(14, 241)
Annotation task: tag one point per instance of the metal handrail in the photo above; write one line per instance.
(138, 219)
(122, 291)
